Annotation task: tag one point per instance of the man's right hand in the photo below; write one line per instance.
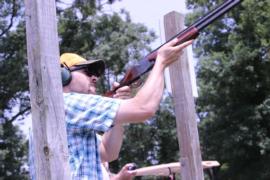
(123, 92)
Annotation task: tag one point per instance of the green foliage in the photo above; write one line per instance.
(12, 152)
(13, 84)
(234, 81)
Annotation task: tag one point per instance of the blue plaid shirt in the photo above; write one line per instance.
(85, 116)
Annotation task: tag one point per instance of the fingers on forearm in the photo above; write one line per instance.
(123, 89)
(185, 44)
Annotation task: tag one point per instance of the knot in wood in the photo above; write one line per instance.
(46, 150)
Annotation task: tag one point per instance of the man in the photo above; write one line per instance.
(110, 143)
(87, 113)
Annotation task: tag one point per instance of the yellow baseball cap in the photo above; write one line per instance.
(71, 59)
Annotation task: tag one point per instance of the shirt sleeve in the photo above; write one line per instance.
(87, 111)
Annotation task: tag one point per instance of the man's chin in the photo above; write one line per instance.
(92, 91)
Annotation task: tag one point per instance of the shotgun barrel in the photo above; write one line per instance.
(191, 32)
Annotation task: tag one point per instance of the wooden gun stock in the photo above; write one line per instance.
(191, 32)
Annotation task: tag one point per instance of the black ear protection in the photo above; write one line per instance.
(65, 75)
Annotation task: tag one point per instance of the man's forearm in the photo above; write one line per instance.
(111, 143)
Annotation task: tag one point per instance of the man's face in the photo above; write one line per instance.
(83, 82)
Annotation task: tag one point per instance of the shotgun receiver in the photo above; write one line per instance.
(146, 64)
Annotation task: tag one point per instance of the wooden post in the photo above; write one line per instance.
(49, 130)
(190, 154)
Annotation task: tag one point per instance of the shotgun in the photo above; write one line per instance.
(192, 32)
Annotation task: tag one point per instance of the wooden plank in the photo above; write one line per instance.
(170, 168)
(184, 106)
(48, 121)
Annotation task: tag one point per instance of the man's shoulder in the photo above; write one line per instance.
(82, 101)
(74, 95)
(87, 98)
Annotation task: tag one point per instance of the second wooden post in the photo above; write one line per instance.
(190, 154)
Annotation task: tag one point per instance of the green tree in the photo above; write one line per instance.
(14, 101)
(234, 81)
(12, 152)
